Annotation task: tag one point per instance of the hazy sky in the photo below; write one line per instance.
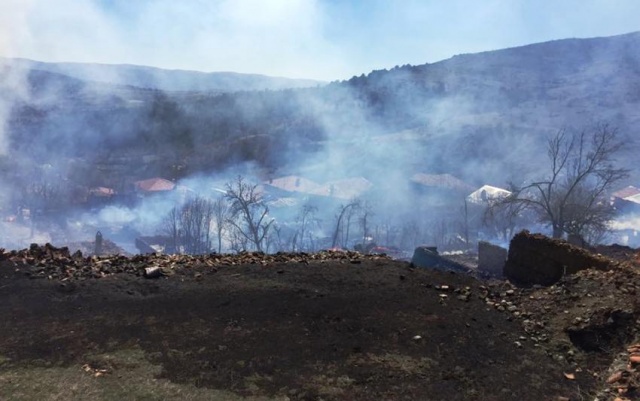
(322, 39)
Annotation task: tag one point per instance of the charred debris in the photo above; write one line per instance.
(50, 262)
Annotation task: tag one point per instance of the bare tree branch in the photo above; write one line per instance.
(249, 213)
(572, 198)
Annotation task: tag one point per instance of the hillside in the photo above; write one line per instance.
(470, 115)
(496, 107)
(163, 79)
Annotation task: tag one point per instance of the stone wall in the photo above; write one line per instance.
(491, 258)
(537, 259)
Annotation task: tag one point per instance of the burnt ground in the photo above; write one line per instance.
(357, 328)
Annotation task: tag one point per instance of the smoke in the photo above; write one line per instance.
(12, 20)
(625, 230)
(477, 118)
(144, 217)
(628, 222)
(436, 125)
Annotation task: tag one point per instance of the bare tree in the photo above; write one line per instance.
(347, 226)
(196, 225)
(439, 233)
(389, 232)
(237, 241)
(411, 234)
(190, 226)
(171, 228)
(249, 213)
(221, 216)
(303, 221)
(275, 238)
(465, 222)
(502, 218)
(43, 192)
(344, 211)
(366, 213)
(572, 197)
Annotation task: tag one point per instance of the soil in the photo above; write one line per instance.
(330, 327)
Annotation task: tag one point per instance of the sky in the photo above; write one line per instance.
(318, 39)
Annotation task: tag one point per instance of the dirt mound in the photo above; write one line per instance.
(619, 253)
(330, 326)
(586, 318)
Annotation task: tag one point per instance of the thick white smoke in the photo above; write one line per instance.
(13, 20)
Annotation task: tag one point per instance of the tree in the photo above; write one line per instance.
(196, 219)
(171, 228)
(249, 212)
(366, 213)
(502, 218)
(221, 216)
(440, 233)
(571, 199)
(411, 234)
(190, 226)
(305, 218)
(345, 210)
(464, 223)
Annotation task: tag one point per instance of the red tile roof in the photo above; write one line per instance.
(154, 185)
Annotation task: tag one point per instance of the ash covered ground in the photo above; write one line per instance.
(322, 326)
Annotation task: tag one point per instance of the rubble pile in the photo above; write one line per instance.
(60, 264)
(623, 381)
(619, 253)
(584, 317)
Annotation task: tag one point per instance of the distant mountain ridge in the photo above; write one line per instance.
(483, 118)
(163, 79)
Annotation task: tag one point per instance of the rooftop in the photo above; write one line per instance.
(626, 192)
(446, 181)
(154, 185)
(487, 192)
